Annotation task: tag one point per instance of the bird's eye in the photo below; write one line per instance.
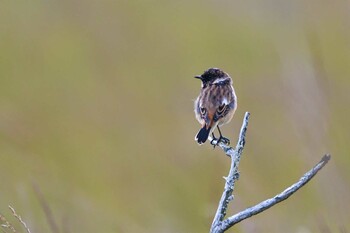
(203, 111)
(222, 108)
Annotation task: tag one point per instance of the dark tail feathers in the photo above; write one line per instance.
(202, 135)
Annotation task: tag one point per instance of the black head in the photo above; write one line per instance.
(211, 75)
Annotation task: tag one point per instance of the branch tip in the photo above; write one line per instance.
(326, 158)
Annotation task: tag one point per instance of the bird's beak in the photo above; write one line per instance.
(198, 76)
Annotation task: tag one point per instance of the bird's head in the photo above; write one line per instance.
(211, 75)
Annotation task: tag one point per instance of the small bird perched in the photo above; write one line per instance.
(216, 103)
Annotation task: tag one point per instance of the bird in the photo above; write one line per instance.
(215, 105)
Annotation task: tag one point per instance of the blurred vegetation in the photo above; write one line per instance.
(96, 103)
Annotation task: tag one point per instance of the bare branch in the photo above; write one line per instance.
(276, 199)
(220, 225)
(235, 155)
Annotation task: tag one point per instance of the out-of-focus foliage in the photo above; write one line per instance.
(96, 105)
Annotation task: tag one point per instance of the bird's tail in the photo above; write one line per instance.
(202, 135)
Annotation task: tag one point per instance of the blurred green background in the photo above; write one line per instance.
(96, 109)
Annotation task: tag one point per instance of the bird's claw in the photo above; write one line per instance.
(214, 142)
(224, 140)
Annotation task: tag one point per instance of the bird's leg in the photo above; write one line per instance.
(214, 139)
(222, 138)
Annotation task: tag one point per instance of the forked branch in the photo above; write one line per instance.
(220, 224)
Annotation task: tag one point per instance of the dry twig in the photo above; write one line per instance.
(19, 219)
(220, 224)
(6, 224)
